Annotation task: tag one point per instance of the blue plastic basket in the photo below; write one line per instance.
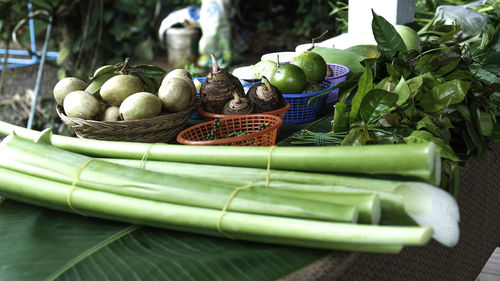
(302, 112)
(196, 115)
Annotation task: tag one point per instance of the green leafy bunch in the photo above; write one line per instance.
(449, 94)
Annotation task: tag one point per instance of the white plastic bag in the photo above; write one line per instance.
(470, 21)
(189, 15)
(216, 32)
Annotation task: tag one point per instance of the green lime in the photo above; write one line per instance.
(289, 79)
(312, 87)
(314, 65)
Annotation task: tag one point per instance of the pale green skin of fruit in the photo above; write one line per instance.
(81, 104)
(119, 87)
(264, 68)
(182, 74)
(176, 95)
(111, 113)
(314, 65)
(67, 85)
(179, 72)
(141, 105)
(290, 85)
(410, 37)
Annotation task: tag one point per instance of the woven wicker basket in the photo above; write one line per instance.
(163, 128)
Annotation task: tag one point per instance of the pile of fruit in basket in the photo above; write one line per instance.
(124, 92)
(222, 92)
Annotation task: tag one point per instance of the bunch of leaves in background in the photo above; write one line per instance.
(101, 32)
(339, 9)
(447, 94)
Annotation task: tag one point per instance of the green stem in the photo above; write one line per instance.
(419, 161)
(286, 231)
(266, 82)
(46, 161)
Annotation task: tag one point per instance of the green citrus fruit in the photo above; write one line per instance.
(289, 79)
(314, 65)
(312, 87)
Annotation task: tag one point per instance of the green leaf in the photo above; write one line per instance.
(403, 91)
(365, 84)
(62, 55)
(443, 95)
(151, 84)
(392, 71)
(388, 39)
(485, 123)
(424, 137)
(102, 70)
(460, 74)
(340, 122)
(427, 123)
(41, 244)
(376, 103)
(145, 50)
(357, 136)
(471, 129)
(447, 68)
(150, 71)
(386, 84)
(414, 84)
(97, 82)
(425, 64)
(495, 135)
(61, 73)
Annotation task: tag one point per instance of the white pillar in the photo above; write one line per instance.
(360, 21)
(394, 11)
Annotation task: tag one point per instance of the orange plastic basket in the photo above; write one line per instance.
(250, 124)
(211, 116)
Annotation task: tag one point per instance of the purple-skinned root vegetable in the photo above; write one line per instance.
(238, 105)
(219, 88)
(265, 97)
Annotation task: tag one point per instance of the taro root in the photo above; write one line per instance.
(238, 105)
(265, 97)
(218, 89)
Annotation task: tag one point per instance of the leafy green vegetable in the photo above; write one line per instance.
(365, 85)
(448, 94)
(376, 103)
(388, 39)
(443, 95)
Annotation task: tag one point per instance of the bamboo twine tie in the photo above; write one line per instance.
(268, 171)
(73, 185)
(144, 158)
(224, 209)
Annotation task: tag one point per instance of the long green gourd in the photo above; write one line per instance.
(260, 228)
(49, 162)
(419, 161)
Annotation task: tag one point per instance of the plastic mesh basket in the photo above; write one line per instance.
(211, 116)
(260, 129)
(340, 73)
(300, 110)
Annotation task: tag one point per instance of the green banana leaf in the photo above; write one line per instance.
(41, 244)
